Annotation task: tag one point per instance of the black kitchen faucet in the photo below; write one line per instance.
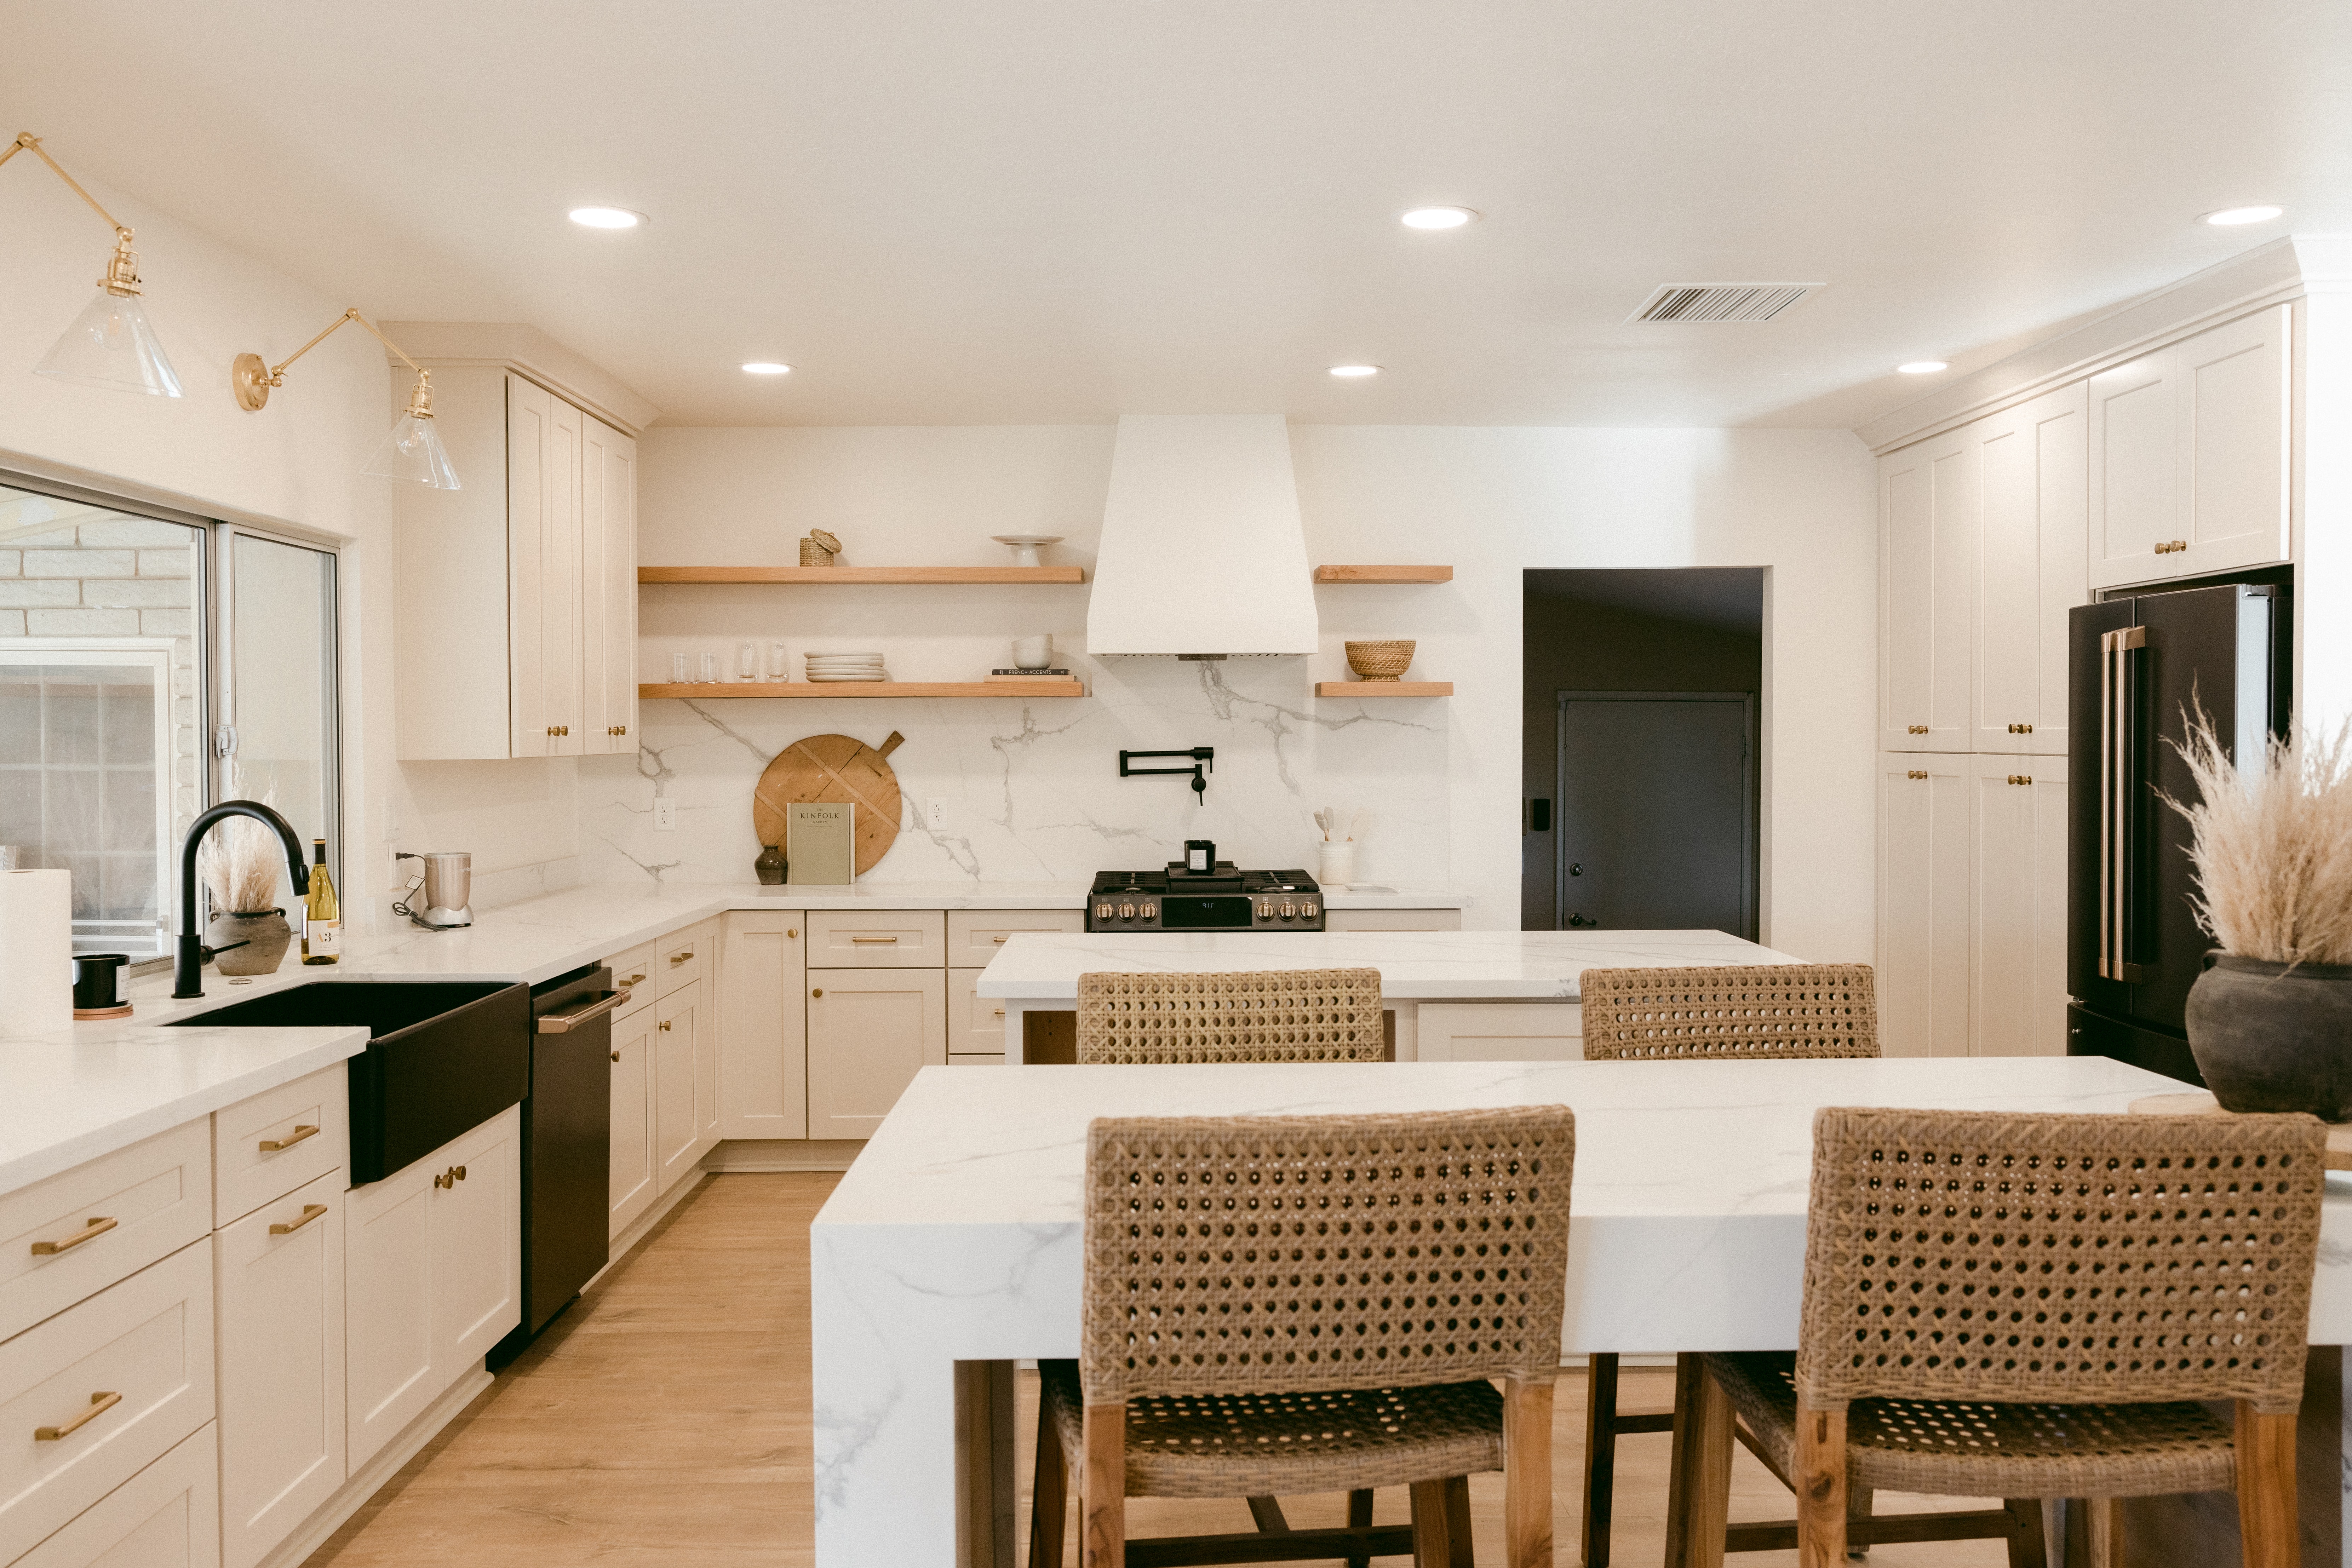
(188, 966)
(1203, 758)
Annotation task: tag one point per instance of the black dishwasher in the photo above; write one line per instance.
(566, 1146)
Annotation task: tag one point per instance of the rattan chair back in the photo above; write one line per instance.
(1759, 1010)
(1281, 1254)
(2061, 1259)
(1256, 1015)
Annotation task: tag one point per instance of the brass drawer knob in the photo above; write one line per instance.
(818, 992)
(616, 1056)
(1918, 729)
(1918, 773)
(664, 1025)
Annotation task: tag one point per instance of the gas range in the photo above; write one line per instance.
(1223, 898)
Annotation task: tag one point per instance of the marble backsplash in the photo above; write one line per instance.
(1030, 791)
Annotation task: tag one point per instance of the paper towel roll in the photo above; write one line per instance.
(36, 952)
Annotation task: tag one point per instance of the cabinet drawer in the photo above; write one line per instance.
(136, 1205)
(682, 959)
(166, 1516)
(133, 1364)
(1502, 1031)
(265, 1147)
(1391, 920)
(975, 1023)
(974, 935)
(876, 939)
(975, 1059)
(633, 967)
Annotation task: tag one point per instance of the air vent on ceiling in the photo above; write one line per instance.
(1721, 301)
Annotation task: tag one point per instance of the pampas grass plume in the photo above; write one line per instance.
(2271, 843)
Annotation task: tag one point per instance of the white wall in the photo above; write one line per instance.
(295, 463)
(1030, 790)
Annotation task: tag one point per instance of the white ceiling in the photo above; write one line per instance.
(1014, 211)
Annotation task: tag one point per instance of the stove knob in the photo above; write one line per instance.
(1286, 911)
(1151, 911)
(1126, 911)
(1306, 912)
(1104, 912)
(1265, 910)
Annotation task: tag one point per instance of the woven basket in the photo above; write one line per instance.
(1380, 660)
(815, 554)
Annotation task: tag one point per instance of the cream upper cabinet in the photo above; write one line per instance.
(2017, 920)
(2031, 463)
(1924, 869)
(518, 592)
(1928, 496)
(2190, 455)
(608, 581)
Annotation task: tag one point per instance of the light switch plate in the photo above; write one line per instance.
(935, 814)
(665, 815)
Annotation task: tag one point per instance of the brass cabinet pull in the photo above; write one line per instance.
(616, 729)
(99, 1404)
(664, 1025)
(1000, 1012)
(456, 1173)
(855, 939)
(818, 992)
(301, 1131)
(616, 1056)
(2172, 547)
(792, 931)
(309, 1213)
(680, 957)
(459, 1172)
(2020, 729)
(1918, 729)
(1918, 773)
(997, 940)
(98, 1225)
(636, 979)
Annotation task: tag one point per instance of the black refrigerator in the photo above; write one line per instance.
(2136, 668)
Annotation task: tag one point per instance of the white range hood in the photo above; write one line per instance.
(1202, 553)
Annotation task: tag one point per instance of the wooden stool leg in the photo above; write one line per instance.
(2266, 1504)
(1689, 1368)
(1707, 1483)
(1599, 1456)
(1858, 1502)
(1049, 1496)
(1527, 1472)
(1359, 1513)
(2026, 1538)
(1457, 1523)
(1820, 1475)
(2105, 1535)
(1102, 1489)
(1432, 1533)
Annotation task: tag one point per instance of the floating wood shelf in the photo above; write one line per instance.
(1384, 689)
(1384, 573)
(697, 691)
(838, 576)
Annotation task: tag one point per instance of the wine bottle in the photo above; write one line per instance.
(322, 923)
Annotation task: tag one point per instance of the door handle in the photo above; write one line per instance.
(309, 1213)
(564, 1023)
(856, 940)
(2118, 704)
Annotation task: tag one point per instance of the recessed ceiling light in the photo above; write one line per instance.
(1921, 367)
(1437, 217)
(2231, 217)
(767, 367)
(606, 217)
(1351, 372)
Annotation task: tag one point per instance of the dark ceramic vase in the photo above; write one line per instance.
(770, 866)
(2268, 1037)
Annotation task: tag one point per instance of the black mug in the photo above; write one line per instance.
(93, 986)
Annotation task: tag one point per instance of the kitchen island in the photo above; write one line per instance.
(1454, 995)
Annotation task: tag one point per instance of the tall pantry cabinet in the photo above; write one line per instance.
(518, 592)
(2170, 464)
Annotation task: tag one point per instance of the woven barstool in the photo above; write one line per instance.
(1254, 1016)
(1697, 1013)
(1313, 1303)
(2027, 1307)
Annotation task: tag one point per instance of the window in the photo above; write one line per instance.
(124, 712)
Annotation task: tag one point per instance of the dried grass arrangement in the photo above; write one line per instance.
(241, 861)
(2271, 843)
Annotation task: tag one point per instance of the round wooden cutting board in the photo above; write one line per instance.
(834, 768)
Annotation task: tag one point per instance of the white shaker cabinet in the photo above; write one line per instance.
(1928, 496)
(762, 1026)
(632, 1118)
(279, 1273)
(166, 1516)
(518, 591)
(1924, 869)
(2017, 920)
(677, 1064)
(2031, 461)
(2190, 455)
(870, 1032)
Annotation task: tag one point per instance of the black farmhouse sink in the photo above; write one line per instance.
(442, 1057)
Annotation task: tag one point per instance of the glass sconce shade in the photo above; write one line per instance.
(113, 345)
(413, 451)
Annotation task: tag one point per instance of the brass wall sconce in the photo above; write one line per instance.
(112, 343)
(412, 451)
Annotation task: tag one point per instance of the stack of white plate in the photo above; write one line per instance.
(845, 667)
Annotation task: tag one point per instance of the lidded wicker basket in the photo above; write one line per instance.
(1380, 660)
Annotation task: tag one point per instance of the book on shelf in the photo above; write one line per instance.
(1028, 674)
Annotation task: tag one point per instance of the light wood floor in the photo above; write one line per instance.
(665, 1418)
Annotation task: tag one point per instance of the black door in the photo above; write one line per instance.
(1657, 811)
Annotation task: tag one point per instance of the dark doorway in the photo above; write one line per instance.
(1641, 749)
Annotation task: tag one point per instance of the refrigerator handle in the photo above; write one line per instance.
(2118, 704)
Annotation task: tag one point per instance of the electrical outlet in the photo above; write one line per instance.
(935, 814)
(665, 815)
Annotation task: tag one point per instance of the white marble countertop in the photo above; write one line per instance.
(1414, 966)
